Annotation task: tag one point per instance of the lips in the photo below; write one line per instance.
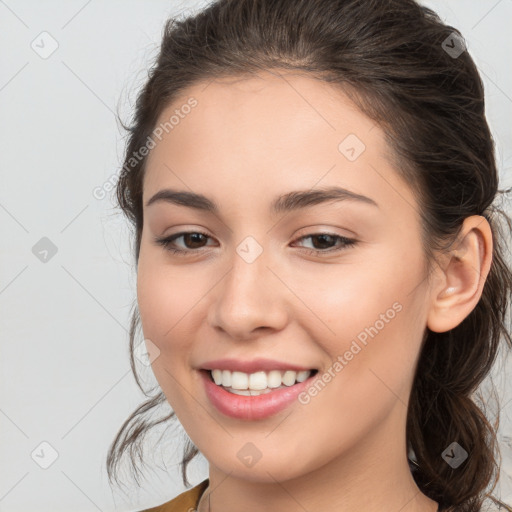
(251, 408)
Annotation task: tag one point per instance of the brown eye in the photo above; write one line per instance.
(193, 241)
(326, 241)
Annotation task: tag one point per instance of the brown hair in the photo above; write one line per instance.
(392, 59)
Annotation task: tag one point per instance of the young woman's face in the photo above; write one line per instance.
(252, 286)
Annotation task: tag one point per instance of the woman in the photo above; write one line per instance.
(321, 278)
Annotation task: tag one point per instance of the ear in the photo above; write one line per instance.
(461, 278)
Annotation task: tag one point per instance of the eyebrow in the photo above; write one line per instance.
(290, 201)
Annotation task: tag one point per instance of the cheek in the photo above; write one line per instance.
(172, 302)
(155, 300)
(348, 300)
(373, 322)
(163, 299)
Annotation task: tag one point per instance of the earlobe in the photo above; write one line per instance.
(460, 287)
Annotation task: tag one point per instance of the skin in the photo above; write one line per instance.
(246, 142)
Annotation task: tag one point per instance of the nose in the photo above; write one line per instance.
(248, 300)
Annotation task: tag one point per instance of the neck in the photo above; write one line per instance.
(374, 473)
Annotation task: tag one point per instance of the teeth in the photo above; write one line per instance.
(289, 378)
(249, 392)
(257, 383)
(226, 377)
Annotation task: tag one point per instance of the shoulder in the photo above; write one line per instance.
(185, 502)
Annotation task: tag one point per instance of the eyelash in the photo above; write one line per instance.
(166, 243)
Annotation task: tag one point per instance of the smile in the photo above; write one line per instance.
(257, 383)
(254, 404)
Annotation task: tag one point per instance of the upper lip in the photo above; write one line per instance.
(252, 366)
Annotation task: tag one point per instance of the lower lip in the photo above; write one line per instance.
(252, 407)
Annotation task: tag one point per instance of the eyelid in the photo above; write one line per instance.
(314, 229)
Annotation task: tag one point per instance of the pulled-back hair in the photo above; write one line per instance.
(392, 58)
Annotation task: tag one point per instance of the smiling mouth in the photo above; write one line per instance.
(258, 383)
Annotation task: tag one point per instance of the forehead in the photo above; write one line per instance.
(260, 134)
(265, 105)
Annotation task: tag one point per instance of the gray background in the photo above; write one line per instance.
(65, 375)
